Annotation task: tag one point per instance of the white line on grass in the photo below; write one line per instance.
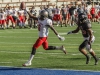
(37, 37)
(33, 37)
(32, 43)
(13, 52)
(66, 33)
(5, 62)
(76, 54)
(39, 53)
(29, 52)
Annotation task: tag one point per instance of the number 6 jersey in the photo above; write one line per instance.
(43, 27)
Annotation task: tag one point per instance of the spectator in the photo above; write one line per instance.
(72, 14)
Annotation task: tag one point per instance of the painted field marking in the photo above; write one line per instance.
(5, 62)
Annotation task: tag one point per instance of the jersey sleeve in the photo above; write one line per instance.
(49, 22)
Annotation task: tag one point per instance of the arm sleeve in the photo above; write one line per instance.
(49, 22)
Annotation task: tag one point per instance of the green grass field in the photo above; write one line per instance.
(16, 44)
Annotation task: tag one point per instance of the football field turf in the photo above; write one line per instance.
(16, 45)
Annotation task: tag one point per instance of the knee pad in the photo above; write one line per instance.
(90, 50)
(88, 47)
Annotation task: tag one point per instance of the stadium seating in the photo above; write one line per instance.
(37, 3)
(32, 2)
(28, 2)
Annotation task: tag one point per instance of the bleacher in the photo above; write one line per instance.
(36, 3)
(29, 3)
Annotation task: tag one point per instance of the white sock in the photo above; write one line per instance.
(31, 58)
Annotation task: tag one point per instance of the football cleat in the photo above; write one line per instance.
(63, 49)
(27, 64)
(96, 61)
(88, 59)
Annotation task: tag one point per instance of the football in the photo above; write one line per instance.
(22, 5)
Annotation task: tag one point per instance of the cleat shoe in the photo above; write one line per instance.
(57, 24)
(63, 49)
(88, 59)
(96, 61)
(27, 64)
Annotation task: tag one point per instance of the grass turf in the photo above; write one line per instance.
(16, 44)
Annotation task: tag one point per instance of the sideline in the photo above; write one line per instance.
(8, 70)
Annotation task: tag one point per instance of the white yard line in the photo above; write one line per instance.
(13, 52)
(74, 54)
(33, 37)
(49, 43)
(5, 62)
(37, 36)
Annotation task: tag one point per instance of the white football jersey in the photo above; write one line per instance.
(14, 12)
(9, 12)
(57, 11)
(2, 16)
(21, 12)
(43, 27)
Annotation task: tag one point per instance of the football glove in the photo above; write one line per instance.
(61, 38)
(70, 32)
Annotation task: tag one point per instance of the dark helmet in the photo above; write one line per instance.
(43, 14)
(82, 17)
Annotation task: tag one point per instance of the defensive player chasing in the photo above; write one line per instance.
(85, 27)
(43, 24)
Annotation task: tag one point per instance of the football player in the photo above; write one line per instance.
(2, 19)
(43, 24)
(85, 26)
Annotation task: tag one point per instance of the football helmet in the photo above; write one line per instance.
(43, 14)
(82, 17)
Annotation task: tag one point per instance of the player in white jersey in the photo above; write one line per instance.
(25, 17)
(9, 16)
(2, 19)
(57, 15)
(43, 24)
(14, 15)
(21, 18)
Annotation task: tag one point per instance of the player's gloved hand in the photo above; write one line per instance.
(70, 32)
(61, 38)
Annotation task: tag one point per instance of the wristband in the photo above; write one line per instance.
(58, 35)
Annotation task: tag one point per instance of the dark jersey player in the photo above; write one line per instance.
(85, 27)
